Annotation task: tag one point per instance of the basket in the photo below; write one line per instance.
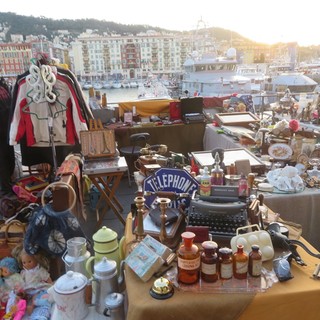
(11, 235)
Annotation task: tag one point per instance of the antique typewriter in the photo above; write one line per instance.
(222, 214)
(193, 118)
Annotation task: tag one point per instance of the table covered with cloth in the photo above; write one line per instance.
(301, 208)
(146, 108)
(297, 298)
(180, 138)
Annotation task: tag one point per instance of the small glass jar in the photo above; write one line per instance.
(209, 262)
(255, 261)
(225, 263)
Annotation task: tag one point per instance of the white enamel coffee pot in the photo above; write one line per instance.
(68, 293)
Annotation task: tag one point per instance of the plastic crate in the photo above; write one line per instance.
(94, 196)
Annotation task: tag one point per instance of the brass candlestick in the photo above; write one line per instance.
(163, 202)
(140, 234)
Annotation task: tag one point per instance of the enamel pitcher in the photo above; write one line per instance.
(68, 293)
(105, 245)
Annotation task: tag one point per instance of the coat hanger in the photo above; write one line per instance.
(42, 81)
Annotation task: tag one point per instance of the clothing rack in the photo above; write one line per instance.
(50, 93)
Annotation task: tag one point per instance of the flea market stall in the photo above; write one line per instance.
(198, 242)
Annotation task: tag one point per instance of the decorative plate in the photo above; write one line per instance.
(280, 151)
(303, 158)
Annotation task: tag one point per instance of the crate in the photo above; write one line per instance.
(94, 196)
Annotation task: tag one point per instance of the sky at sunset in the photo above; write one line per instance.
(262, 21)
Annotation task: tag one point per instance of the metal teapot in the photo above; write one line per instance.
(105, 245)
(114, 306)
(105, 281)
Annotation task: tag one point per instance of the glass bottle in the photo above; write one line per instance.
(255, 261)
(188, 259)
(217, 172)
(232, 169)
(240, 263)
(294, 147)
(104, 100)
(209, 261)
(205, 183)
(250, 182)
(243, 186)
(225, 263)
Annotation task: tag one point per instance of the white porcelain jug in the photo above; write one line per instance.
(68, 293)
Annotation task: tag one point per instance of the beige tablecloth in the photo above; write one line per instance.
(297, 298)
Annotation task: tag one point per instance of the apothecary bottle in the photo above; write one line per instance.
(209, 261)
(255, 261)
(225, 263)
(188, 259)
(240, 263)
(217, 173)
(243, 186)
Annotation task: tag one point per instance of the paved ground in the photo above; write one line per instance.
(125, 195)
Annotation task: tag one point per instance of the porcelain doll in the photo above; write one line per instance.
(11, 279)
(17, 311)
(36, 282)
(34, 274)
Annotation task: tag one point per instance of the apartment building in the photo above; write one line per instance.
(14, 58)
(129, 57)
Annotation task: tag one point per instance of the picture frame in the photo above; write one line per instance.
(205, 159)
(242, 119)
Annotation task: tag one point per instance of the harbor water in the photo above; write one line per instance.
(117, 95)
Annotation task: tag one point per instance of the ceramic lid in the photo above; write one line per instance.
(114, 300)
(104, 235)
(105, 268)
(70, 282)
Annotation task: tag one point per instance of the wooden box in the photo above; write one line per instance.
(242, 119)
(98, 142)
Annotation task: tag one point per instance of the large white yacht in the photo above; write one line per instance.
(211, 75)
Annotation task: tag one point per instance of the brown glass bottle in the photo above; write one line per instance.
(255, 261)
(225, 263)
(188, 259)
(209, 262)
(240, 263)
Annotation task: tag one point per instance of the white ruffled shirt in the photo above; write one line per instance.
(35, 278)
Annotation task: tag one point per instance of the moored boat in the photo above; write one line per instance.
(211, 75)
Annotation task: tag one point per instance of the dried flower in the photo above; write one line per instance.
(294, 125)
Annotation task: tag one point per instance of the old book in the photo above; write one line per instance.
(159, 248)
(144, 261)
